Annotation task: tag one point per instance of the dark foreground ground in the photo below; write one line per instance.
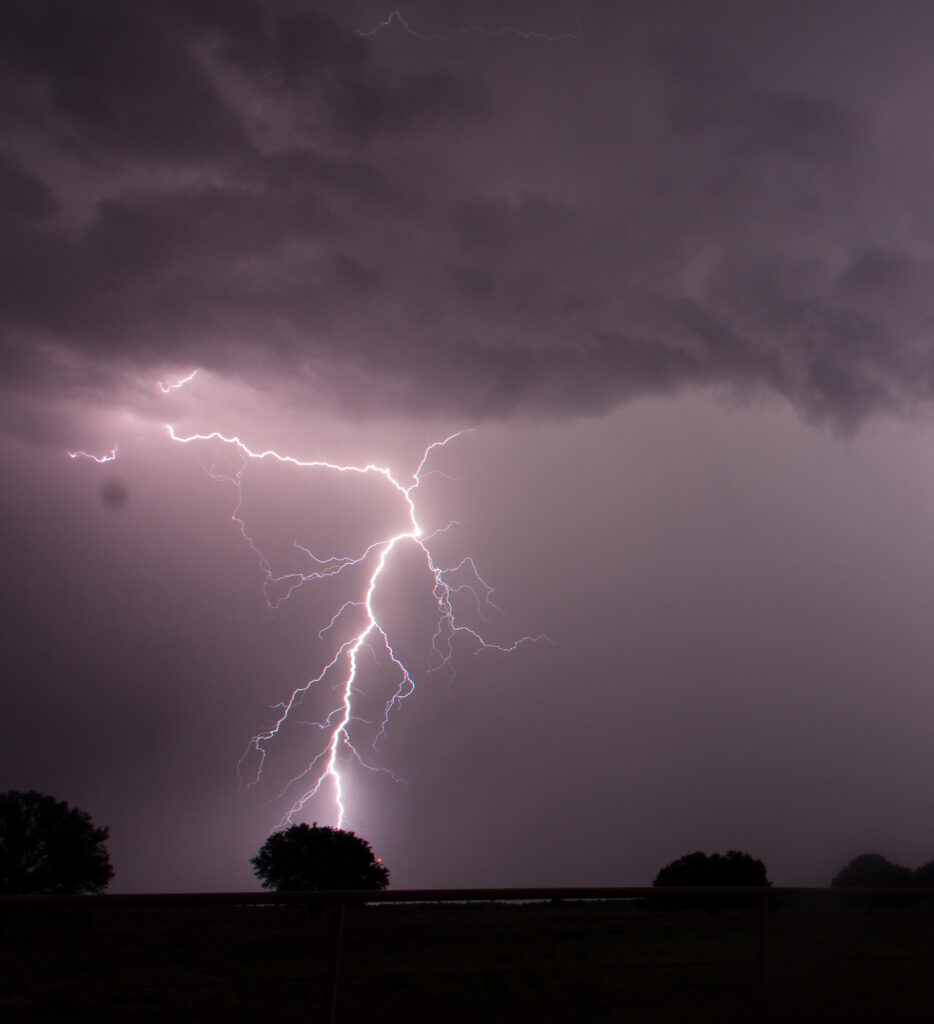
(537, 963)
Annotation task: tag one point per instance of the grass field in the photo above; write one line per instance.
(597, 961)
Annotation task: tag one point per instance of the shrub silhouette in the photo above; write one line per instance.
(733, 868)
(48, 847)
(924, 876)
(305, 858)
(872, 870)
(699, 869)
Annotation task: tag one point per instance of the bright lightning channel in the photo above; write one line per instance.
(108, 457)
(396, 17)
(325, 768)
(177, 385)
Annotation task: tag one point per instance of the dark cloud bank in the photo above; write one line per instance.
(472, 222)
(464, 224)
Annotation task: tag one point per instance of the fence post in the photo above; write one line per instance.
(762, 934)
(334, 959)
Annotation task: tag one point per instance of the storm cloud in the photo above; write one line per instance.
(469, 221)
(672, 259)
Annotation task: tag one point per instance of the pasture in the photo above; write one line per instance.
(594, 961)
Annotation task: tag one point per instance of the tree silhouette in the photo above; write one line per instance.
(735, 868)
(924, 876)
(699, 869)
(872, 870)
(48, 847)
(307, 858)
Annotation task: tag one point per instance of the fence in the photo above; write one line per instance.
(491, 954)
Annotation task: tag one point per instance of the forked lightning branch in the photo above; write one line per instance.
(338, 674)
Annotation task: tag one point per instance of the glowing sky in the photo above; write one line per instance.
(670, 261)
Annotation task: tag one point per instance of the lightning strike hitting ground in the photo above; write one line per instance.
(322, 772)
(324, 767)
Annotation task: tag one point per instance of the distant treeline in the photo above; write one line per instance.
(868, 870)
(49, 847)
(872, 870)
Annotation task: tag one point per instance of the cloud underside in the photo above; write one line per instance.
(475, 225)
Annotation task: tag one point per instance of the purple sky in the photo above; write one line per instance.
(670, 261)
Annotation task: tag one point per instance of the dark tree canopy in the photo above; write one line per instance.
(306, 858)
(48, 847)
(733, 868)
(872, 870)
(924, 876)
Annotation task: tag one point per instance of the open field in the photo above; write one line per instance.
(596, 961)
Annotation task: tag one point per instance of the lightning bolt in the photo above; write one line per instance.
(340, 671)
(177, 385)
(396, 17)
(339, 746)
(109, 457)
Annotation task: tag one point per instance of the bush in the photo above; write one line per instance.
(873, 871)
(306, 858)
(733, 868)
(924, 876)
(48, 847)
(698, 869)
